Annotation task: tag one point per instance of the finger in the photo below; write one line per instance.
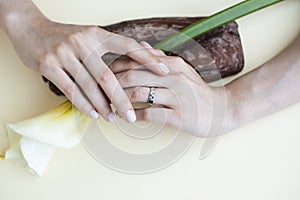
(128, 46)
(64, 83)
(110, 85)
(88, 84)
(159, 115)
(133, 78)
(125, 64)
(162, 96)
(177, 63)
(179, 66)
(156, 52)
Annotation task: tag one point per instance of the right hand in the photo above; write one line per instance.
(182, 99)
(61, 51)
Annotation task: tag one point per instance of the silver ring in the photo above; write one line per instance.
(151, 96)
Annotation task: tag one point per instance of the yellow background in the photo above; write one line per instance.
(257, 161)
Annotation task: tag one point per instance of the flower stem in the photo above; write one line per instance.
(216, 20)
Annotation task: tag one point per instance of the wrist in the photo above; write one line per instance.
(229, 108)
(232, 111)
(243, 106)
(4, 12)
(17, 14)
(223, 109)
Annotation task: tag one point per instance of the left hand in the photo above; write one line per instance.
(182, 99)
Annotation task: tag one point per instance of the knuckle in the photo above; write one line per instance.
(60, 50)
(152, 57)
(137, 94)
(46, 63)
(90, 88)
(131, 44)
(106, 76)
(128, 77)
(49, 69)
(68, 90)
(74, 37)
(130, 41)
(45, 58)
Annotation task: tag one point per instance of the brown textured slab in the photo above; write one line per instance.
(219, 54)
(223, 44)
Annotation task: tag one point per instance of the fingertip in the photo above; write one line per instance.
(164, 68)
(94, 114)
(130, 116)
(111, 117)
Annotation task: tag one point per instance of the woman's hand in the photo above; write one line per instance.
(182, 99)
(70, 57)
(270, 87)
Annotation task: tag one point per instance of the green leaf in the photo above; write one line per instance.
(214, 21)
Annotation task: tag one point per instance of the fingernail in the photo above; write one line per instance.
(130, 115)
(163, 68)
(94, 114)
(146, 44)
(111, 117)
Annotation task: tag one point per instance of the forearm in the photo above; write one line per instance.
(272, 86)
(17, 13)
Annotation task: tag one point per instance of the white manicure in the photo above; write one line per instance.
(130, 115)
(94, 114)
(164, 68)
(111, 117)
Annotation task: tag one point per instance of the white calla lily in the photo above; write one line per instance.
(33, 141)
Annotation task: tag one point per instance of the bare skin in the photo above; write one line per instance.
(269, 88)
(58, 50)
